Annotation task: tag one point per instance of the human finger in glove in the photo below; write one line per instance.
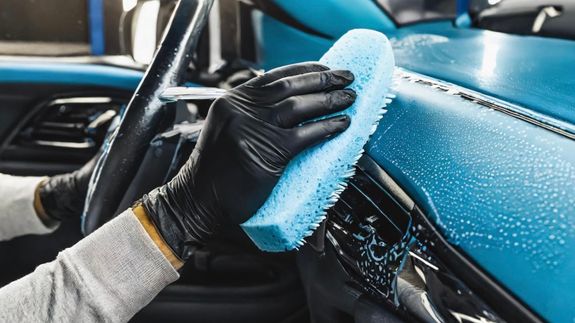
(62, 197)
(249, 137)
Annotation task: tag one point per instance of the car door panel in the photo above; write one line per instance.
(46, 109)
(34, 71)
(28, 91)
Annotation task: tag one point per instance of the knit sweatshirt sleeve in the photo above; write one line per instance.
(106, 277)
(17, 214)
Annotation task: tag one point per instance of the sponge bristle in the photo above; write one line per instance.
(313, 181)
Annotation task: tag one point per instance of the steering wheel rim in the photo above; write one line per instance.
(145, 114)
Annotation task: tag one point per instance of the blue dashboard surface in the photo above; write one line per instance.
(499, 188)
(335, 17)
(68, 73)
(279, 44)
(534, 72)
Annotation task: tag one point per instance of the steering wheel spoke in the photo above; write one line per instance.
(145, 113)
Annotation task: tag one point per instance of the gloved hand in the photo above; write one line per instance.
(62, 196)
(248, 139)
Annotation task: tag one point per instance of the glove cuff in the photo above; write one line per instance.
(155, 235)
(178, 233)
(60, 198)
(47, 220)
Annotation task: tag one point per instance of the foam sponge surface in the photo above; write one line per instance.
(313, 180)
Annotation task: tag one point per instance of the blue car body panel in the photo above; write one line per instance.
(64, 73)
(499, 188)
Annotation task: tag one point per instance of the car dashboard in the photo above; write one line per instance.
(392, 264)
(426, 229)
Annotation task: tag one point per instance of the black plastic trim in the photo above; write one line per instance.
(483, 284)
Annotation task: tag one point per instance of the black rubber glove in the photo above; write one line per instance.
(63, 196)
(248, 139)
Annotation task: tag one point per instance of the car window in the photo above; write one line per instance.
(83, 27)
(412, 11)
(54, 28)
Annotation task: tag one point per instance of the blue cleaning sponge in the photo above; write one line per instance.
(313, 180)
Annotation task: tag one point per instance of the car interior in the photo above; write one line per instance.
(55, 126)
(353, 269)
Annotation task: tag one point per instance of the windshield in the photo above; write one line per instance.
(411, 11)
(549, 18)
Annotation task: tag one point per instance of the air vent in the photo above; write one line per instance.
(70, 123)
(370, 230)
(394, 254)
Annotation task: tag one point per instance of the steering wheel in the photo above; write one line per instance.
(145, 114)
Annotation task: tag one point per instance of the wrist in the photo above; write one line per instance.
(48, 221)
(177, 218)
(156, 237)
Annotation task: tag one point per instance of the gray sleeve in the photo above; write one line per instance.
(106, 277)
(17, 214)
